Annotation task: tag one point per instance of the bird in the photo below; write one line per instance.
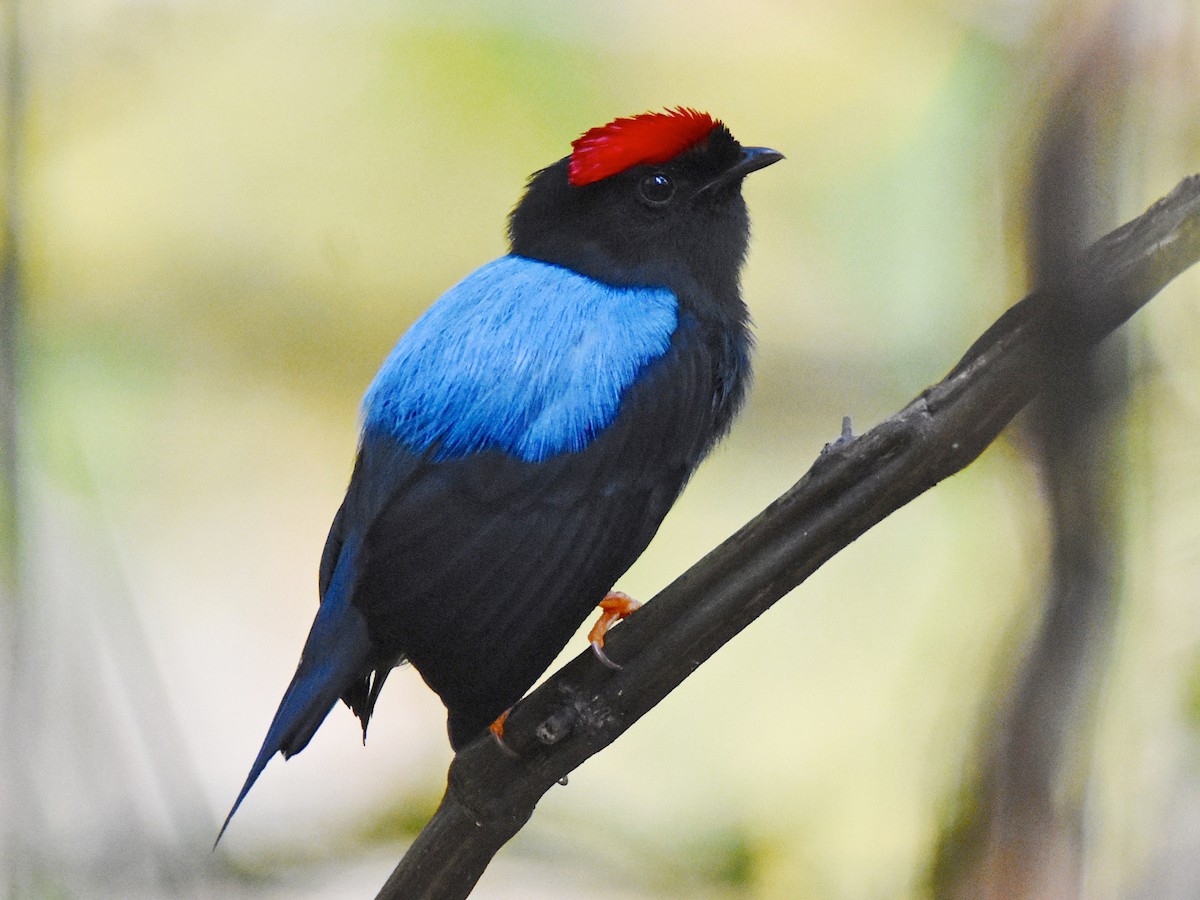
(524, 439)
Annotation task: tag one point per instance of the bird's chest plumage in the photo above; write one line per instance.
(521, 357)
(516, 462)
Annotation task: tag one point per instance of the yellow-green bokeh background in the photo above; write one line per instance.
(231, 211)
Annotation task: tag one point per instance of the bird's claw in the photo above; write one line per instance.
(598, 650)
(613, 608)
(497, 731)
(507, 750)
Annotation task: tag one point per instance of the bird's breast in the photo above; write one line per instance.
(523, 357)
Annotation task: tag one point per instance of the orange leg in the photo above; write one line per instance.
(613, 608)
(497, 730)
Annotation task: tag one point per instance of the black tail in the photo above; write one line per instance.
(337, 656)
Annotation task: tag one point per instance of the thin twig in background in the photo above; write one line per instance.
(1019, 820)
(12, 87)
(14, 783)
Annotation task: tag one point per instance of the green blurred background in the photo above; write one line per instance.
(230, 211)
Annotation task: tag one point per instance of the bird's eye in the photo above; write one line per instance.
(656, 189)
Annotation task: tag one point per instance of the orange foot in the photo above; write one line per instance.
(614, 607)
(497, 730)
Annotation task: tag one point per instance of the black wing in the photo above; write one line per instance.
(479, 569)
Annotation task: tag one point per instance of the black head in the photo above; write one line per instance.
(653, 200)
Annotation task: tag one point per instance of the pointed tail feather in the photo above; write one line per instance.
(268, 750)
(337, 654)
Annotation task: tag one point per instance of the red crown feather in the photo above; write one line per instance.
(652, 137)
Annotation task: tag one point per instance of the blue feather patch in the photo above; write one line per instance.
(521, 356)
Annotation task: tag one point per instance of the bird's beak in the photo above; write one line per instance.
(752, 159)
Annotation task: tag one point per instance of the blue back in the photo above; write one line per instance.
(520, 356)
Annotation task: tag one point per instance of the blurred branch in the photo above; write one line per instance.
(1019, 822)
(14, 780)
(12, 106)
(854, 484)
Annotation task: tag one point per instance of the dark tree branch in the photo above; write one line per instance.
(853, 485)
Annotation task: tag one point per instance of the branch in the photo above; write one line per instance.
(12, 122)
(1016, 828)
(854, 484)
